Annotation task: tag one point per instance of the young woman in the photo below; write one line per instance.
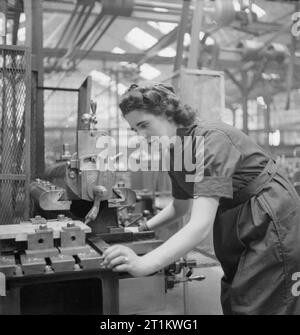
(254, 210)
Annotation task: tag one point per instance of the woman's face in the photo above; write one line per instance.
(148, 125)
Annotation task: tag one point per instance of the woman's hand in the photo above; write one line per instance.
(122, 259)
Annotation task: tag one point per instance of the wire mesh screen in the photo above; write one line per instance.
(61, 111)
(14, 140)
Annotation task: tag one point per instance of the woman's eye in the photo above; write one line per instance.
(143, 126)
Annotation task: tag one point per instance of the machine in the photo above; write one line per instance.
(52, 263)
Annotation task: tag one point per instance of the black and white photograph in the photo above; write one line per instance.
(149, 161)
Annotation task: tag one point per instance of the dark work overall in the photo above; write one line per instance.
(254, 240)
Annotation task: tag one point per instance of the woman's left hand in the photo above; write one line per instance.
(122, 259)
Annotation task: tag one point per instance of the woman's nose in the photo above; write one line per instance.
(142, 133)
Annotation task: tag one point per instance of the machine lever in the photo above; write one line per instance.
(99, 192)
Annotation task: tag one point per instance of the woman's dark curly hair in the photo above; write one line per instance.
(157, 99)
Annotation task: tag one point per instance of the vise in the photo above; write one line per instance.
(41, 247)
(46, 266)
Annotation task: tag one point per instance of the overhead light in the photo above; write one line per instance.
(117, 50)
(140, 39)
(160, 9)
(167, 52)
(258, 10)
(149, 72)
(100, 77)
(163, 27)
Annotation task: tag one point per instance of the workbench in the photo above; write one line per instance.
(76, 292)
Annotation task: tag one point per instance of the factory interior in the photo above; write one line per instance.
(64, 68)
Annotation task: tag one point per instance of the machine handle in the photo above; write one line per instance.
(197, 278)
(99, 193)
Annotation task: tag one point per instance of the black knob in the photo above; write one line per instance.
(146, 213)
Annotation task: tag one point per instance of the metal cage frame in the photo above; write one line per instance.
(15, 133)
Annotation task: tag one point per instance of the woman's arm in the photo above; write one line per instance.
(176, 209)
(121, 258)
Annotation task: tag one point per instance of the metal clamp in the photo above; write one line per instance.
(176, 268)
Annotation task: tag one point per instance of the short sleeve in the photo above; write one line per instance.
(178, 192)
(215, 161)
(220, 161)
